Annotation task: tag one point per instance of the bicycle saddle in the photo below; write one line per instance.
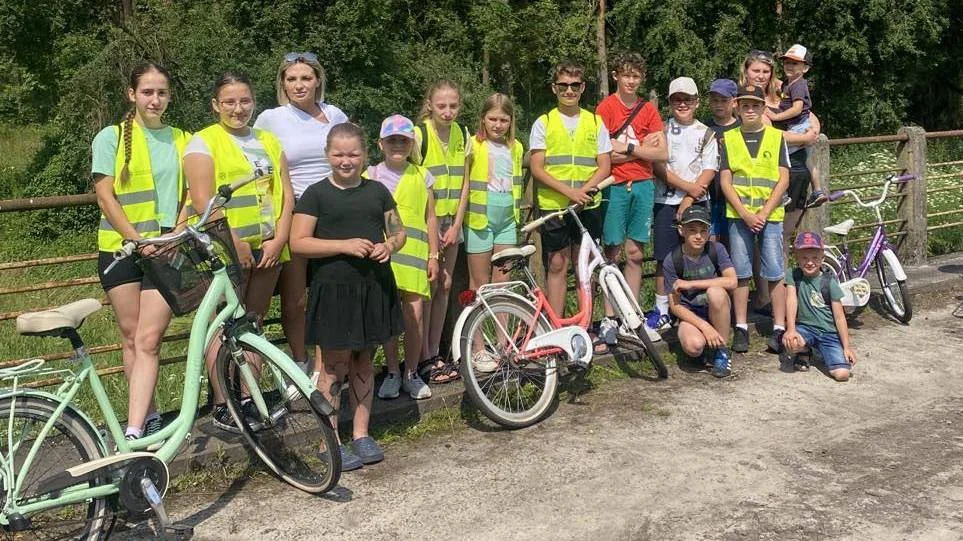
(503, 257)
(68, 316)
(842, 228)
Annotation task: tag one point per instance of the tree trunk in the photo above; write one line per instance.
(603, 55)
(126, 11)
(486, 58)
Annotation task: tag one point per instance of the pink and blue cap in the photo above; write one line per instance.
(397, 125)
(808, 239)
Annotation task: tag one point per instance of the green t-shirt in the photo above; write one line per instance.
(164, 165)
(811, 308)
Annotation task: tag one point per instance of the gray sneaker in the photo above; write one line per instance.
(390, 387)
(416, 387)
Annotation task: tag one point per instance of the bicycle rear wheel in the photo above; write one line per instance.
(70, 442)
(287, 440)
(896, 298)
(651, 353)
(512, 392)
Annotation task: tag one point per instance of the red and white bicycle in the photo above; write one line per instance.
(510, 341)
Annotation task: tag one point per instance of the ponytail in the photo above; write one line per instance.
(125, 128)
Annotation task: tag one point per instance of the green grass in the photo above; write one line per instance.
(18, 145)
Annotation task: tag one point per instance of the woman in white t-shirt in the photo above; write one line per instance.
(301, 122)
(259, 213)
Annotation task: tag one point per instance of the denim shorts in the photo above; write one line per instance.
(827, 344)
(628, 213)
(802, 127)
(719, 225)
(501, 228)
(741, 242)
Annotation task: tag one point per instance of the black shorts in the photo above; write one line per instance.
(560, 233)
(124, 272)
(665, 229)
(798, 189)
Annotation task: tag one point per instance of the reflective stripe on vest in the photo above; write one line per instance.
(243, 211)
(571, 160)
(478, 183)
(754, 179)
(410, 263)
(447, 166)
(138, 196)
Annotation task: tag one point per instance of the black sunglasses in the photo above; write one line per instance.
(763, 56)
(295, 57)
(568, 86)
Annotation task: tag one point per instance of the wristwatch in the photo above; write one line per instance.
(630, 149)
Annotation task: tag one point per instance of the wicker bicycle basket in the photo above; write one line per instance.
(181, 271)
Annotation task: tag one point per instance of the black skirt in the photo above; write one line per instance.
(353, 310)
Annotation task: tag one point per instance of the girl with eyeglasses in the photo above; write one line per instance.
(140, 188)
(301, 122)
(260, 212)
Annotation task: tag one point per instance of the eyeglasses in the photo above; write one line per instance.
(762, 56)
(301, 57)
(245, 103)
(680, 101)
(568, 86)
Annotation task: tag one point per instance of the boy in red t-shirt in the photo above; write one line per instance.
(637, 141)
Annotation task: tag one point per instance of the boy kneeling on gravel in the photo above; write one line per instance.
(814, 313)
(698, 277)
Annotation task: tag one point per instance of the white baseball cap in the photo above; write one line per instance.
(798, 53)
(683, 85)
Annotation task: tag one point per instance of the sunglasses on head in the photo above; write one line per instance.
(296, 57)
(763, 56)
(568, 86)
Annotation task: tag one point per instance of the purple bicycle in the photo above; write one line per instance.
(880, 254)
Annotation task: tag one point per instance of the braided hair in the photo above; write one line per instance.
(127, 124)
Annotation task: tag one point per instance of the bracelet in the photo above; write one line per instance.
(630, 149)
(433, 256)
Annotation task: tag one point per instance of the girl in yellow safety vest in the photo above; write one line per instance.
(415, 266)
(137, 177)
(259, 213)
(441, 146)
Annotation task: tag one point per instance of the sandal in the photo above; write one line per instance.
(429, 370)
(599, 347)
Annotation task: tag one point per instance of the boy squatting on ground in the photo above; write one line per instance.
(699, 291)
(814, 313)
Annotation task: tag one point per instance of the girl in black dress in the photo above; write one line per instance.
(350, 227)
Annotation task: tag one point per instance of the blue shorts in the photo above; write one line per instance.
(501, 228)
(827, 344)
(628, 213)
(802, 127)
(741, 242)
(720, 224)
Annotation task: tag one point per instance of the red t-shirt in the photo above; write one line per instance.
(614, 113)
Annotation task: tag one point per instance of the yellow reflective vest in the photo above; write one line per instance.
(571, 160)
(477, 213)
(447, 166)
(138, 196)
(410, 263)
(754, 178)
(243, 211)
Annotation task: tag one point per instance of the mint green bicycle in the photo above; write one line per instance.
(59, 478)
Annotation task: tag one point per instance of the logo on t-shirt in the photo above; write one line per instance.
(816, 299)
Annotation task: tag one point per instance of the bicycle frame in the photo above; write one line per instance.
(878, 243)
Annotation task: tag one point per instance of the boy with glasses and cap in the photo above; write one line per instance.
(754, 173)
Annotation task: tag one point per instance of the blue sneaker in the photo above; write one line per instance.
(657, 321)
(721, 364)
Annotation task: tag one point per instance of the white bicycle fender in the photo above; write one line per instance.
(894, 264)
(477, 305)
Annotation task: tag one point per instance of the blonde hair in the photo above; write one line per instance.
(504, 103)
(318, 72)
(425, 112)
(764, 58)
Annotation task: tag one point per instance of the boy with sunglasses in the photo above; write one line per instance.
(570, 154)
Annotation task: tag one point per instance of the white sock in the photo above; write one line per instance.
(778, 327)
(743, 326)
(662, 303)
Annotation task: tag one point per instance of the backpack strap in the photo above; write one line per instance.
(424, 141)
(677, 262)
(824, 283)
(713, 254)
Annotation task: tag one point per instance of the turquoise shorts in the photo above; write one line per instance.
(628, 213)
(501, 228)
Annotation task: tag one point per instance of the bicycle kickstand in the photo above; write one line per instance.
(166, 529)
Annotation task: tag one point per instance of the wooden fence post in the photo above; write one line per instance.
(911, 206)
(818, 218)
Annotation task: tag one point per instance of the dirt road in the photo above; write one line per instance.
(763, 455)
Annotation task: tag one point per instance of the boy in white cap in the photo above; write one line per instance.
(680, 182)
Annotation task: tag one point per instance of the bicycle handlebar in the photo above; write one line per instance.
(223, 195)
(892, 178)
(535, 224)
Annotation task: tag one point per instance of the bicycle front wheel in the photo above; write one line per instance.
(287, 437)
(896, 298)
(71, 442)
(511, 391)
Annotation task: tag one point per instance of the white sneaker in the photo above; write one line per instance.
(416, 387)
(608, 331)
(390, 387)
(654, 336)
(484, 361)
